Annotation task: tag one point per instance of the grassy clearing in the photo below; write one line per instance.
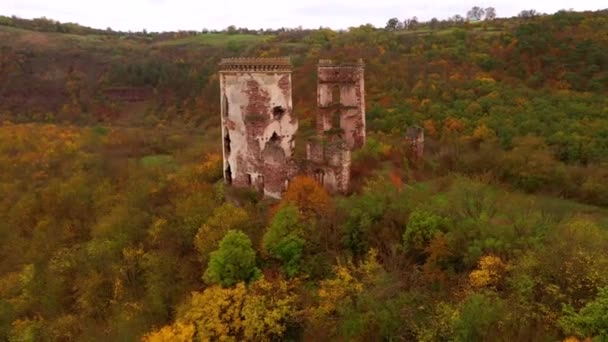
(215, 39)
(18, 38)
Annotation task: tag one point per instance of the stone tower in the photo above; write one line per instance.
(258, 124)
(340, 123)
(341, 101)
(414, 137)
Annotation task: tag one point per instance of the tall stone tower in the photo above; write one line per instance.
(340, 123)
(258, 124)
(341, 101)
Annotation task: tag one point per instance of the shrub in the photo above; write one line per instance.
(590, 321)
(233, 262)
(421, 228)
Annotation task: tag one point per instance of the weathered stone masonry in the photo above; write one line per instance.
(340, 123)
(328, 161)
(341, 101)
(258, 124)
(414, 138)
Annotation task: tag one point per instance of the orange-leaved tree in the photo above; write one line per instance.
(309, 197)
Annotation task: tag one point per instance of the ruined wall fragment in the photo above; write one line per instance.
(329, 162)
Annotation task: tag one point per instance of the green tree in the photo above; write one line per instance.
(479, 318)
(365, 214)
(233, 262)
(422, 226)
(224, 218)
(283, 239)
(391, 24)
(590, 321)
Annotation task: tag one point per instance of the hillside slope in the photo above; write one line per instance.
(115, 223)
(496, 83)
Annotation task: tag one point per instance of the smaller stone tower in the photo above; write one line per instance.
(340, 123)
(258, 124)
(414, 137)
(341, 101)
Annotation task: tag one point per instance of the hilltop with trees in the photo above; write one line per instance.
(115, 222)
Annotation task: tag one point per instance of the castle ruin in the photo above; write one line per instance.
(258, 124)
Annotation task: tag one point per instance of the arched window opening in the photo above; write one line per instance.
(275, 138)
(228, 175)
(260, 183)
(319, 176)
(227, 147)
(335, 120)
(277, 112)
(335, 95)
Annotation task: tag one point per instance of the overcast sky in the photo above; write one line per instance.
(169, 15)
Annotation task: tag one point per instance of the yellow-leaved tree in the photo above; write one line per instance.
(488, 273)
(258, 312)
(343, 291)
(178, 332)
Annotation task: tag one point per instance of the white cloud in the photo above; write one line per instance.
(160, 15)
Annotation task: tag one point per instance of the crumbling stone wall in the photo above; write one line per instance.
(329, 162)
(414, 137)
(340, 124)
(258, 124)
(341, 101)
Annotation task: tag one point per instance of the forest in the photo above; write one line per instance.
(115, 223)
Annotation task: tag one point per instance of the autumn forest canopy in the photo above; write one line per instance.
(115, 222)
